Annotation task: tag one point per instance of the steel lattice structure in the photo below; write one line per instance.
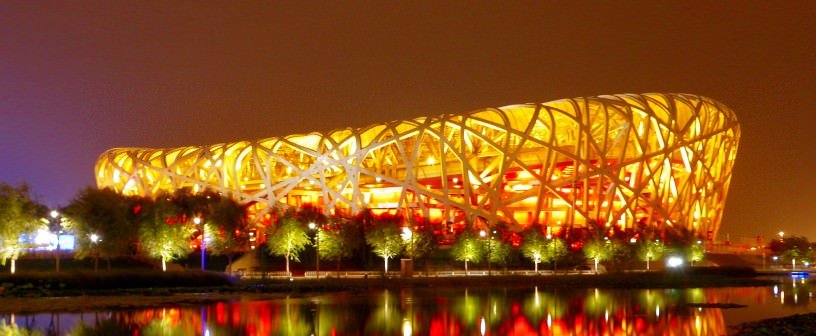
(616, 159)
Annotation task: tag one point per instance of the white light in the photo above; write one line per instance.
(54, 213)
(633, 240)
(407, 233)
(482, 233)
(406, 327)
(312, 226)
(674, 261)
(46, 238)
(94, 238)
(197, 220)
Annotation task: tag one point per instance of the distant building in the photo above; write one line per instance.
(659, 159)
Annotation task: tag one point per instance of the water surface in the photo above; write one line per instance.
(424, 311)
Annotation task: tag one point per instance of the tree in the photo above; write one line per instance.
(102, 224)
(696, 253)
(339, 240)
(468, 248)
(499, 251)
(792, 249)
(556, 250)
(288, 239)
(534, 247)
(599, 250)
(225, 228)
(651, 250)
(162, 234)
(385, 241)
(417, 243)
(19, 216)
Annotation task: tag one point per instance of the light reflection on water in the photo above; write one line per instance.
(530, 311)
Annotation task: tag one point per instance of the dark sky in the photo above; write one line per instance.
(77, 78)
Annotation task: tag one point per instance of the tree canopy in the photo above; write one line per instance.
(19, 215)
(162, 233)
(386, 241)
(467, 249)
(288, 238)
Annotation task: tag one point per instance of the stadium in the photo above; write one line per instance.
(620, 160)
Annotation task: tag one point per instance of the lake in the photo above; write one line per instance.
(448, 311)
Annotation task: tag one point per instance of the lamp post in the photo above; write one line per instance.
(198, 221)
(408, 234)
(95, 239)
(551, 248)
(313, 226)
(55, 219)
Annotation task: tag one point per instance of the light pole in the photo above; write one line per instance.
(313, 226)
(483, 234)
(551, 248)
(408, 235)
(55, 217)
(198, 221)
(95, 239)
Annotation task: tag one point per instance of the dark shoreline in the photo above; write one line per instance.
(798, 324)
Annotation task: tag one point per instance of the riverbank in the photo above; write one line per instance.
(799, 324)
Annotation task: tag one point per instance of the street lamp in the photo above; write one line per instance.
(95, 239)
(313, 226)
(408, 235)
(483, 234)
(198, 221)
(56, 225)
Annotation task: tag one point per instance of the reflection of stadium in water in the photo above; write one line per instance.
(454, 312)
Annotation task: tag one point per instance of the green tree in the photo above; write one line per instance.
(696, 253)
(650, 250)
(599, 250)
(534, 247)
(19, 215)
(339, 240)
(556, 250)
(417, 244)
(385, 241)
(467, 249)
(162, 234)
(499, 251)
(102, 224)
(287, 239)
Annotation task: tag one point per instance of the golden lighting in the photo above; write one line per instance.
(661, 158)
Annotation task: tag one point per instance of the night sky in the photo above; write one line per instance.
(77, 78)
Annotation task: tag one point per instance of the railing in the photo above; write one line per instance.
(396, 274)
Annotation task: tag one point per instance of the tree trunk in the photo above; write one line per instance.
(536, 267)
(648, 267)
(13, 265)
(596, 265)
(386, 266)
(466, 271)
(287, 266)
(164, 264)
(338, 267)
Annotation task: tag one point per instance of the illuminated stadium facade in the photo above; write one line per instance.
(658, 159)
